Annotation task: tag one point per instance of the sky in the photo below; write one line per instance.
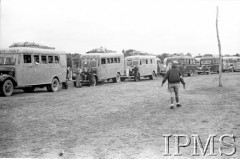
(153, 26)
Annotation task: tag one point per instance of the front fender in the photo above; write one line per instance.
(4, 77)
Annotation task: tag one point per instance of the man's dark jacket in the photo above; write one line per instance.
(173, 75)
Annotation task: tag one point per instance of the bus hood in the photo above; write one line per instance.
(6, 68)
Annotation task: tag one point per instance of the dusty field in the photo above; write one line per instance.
(125, 120)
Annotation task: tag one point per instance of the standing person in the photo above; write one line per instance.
(136, 73)
(174, 77)
(91, 77)
(78, 82)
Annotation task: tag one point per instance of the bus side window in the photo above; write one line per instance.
(115, 60)
(44, 59)
(1, 60)
(50, 59)
(27, 59)
(36, 59)
(146, 61)
(103, 61)
(108, 60)
(111, 60)
(140, 62)
(118, 60)
(151, 61)
(56, 59)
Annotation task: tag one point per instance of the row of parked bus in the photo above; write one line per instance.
(113, 66)
(30, 67)
(210, 65)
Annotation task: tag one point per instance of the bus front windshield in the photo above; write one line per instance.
(206, 62)
(7, 60)
(89, 63)
(132, 63)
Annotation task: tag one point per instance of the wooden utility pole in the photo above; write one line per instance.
(220, 54)
(0, 25)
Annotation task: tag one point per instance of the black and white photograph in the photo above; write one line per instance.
(120, 79)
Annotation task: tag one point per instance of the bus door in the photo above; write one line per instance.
(26, 71)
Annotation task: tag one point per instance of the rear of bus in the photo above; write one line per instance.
(231, 63)
(90, 63)
(131, 63)
(208, 65)
(186, 64)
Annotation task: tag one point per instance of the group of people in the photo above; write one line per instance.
(90, 76)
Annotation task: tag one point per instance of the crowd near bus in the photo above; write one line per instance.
(29, 65)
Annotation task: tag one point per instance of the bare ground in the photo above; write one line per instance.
(125, 120)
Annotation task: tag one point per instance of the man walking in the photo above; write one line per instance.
(174, 77)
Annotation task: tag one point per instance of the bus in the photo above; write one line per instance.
(186, 64)
(138, 66)
(104, 66)
(231, 63)
(28, 68)
(208, 65)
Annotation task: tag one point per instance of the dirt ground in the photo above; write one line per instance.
(119, 120)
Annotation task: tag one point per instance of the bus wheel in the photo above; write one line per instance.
(191, 73)
(28, 89)
(53, 87)
(7, 88)
(137, 78)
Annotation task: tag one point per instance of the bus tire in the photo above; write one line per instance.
(7, 88)
(53, 87)
(29, 89)
(137, 78)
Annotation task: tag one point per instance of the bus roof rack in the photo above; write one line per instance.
(101, 50)
(30, 45)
